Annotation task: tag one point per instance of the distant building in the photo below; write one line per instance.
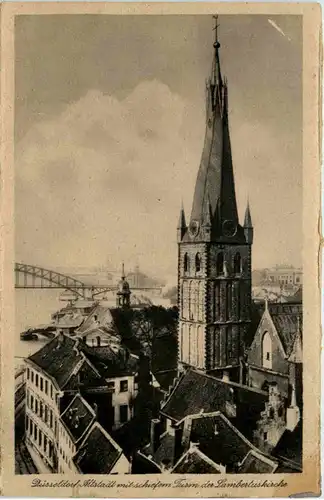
(284, 275)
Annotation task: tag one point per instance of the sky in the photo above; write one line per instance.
(109, 129)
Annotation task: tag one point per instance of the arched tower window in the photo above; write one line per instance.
(220, 263)
(197, 262)
(266, 351)
(186, 263)
(237, 263)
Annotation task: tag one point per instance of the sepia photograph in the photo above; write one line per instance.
(159, 248)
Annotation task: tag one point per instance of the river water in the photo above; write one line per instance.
(33, 307)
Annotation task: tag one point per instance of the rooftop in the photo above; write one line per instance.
(78, 417)
(255, 463)
(197, 392)
(98, 453)
(196, 462)
(58, 358)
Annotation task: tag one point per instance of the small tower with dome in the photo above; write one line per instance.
(123, 292)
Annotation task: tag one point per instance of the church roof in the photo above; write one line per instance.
(287, 319)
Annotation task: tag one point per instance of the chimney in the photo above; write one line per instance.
(60, 337)
(155, 433)
(178, 445)
(186, 433)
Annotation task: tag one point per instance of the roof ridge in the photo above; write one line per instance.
(228, 383)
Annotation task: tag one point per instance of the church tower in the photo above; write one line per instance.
(214, 252)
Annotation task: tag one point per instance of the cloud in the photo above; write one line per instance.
(276, 27)
(103, 181)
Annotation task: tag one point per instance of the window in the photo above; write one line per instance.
(123, 386)
(45, 443)
(32, 402)
(98, 341)
(271, 413)
(51, 391)
(111, 385)
(36, 380)
(41, 383)
(46, 414)
(265, 436)
(186, 263)
(46, 387)
(197, 262)
(35, 432)
(27, 373)
(220, 263)
(123, 413)
(237, 263)
(51, 419)
(36, 406)
(266, 351)
(32, 376)
(41, 409)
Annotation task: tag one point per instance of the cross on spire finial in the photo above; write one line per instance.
(216, 43)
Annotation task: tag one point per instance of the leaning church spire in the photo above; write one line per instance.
(215, 179)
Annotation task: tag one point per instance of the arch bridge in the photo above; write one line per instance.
(35, 277)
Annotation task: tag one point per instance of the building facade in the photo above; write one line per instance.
(214, 257)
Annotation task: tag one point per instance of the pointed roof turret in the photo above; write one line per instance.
(182, 218)
(215, 179)
(248, 218)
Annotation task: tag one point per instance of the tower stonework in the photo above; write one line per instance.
(214, 254)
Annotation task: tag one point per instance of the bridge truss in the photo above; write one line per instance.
(29, 276)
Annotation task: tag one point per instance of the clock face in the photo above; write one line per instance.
(229, 228)
(194, 228)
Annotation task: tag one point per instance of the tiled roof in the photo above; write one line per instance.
(111, 363)
(289, 447)
(255, 463)
(197, 391)
(62, 358)
(98, 453)
(78, 417)
(99, 316)
(195, 462)
(164, 455)
(58, 358)
(212, 431)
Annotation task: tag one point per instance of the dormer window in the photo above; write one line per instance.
(198, 262)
